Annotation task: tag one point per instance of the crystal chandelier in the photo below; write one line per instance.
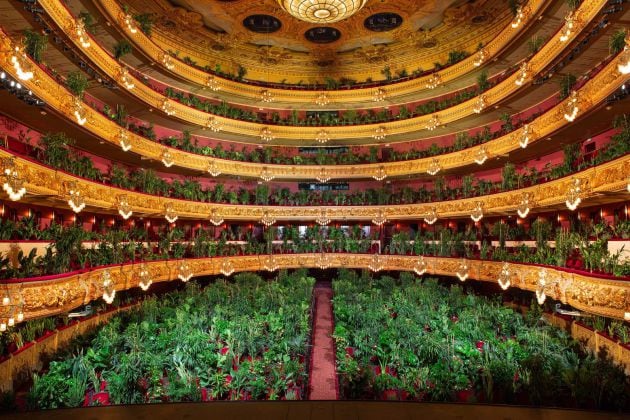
(481, 156)
(168, 107)
(213, 168)
(123, 140)
(322, 12)
(420, 267)
(130, 23)
(323, 176)
(521, 14)
(481, 57)
(434, 81)
(433, 123)
(81, 34)
(109, 292)
(270, 263)
(145, 278)
(480, 104)
(323, 261)
(434, 167)
(22, 66)
(167, 158)
(323, 218)
(322, 99)
(167, 60)
(215, 217)
(184, 272)
(462, 270)
(322, 136)
(212, 83)
(504, 277)
(573, 198)
(571, 107)
(431, 216)
(376, 263)
(213, 124)
(380, 174)
(380, 218)
(124, 209)
(266, 134)
(266, 96)
(623, 65)
(13, 184)
(379, 95)
(227, 267)
(526, 135)
(523, 206)
(266, 174)
(477, 213)
(570, 24)
(380, 133)
(124, 78)
(267, 220)
(79, 111)
(522, 74)
(540, 286)
(76, 201)
(169, 213)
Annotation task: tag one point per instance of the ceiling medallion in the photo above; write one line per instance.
(322, 11)
(322, 136)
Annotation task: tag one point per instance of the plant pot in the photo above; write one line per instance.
(465, 395)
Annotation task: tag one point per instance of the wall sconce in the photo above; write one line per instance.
(13, 184)
(504, 277)
(477, 213)
(184, 272)
(124, 209)
(227, 268)
(169, 213)
(431, 216)
(76, 200)
(420, 267)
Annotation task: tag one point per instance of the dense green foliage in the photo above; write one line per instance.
(414, 339)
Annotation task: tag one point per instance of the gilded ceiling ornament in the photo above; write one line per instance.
(322, 12)
(272, 55)
(373, 54)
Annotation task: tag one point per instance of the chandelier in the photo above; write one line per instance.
(462, 270)
(145, 278)
(322, 136)
(433, 123)
(573, 198)
(167, 158)
(380, 218)
(123, 140)
(267, 220)
(270, 263)
(213, 124)
(323, 261)
(212, 84)
(266, 96)
(169, 213)
(323, 219)
(624, 59)
(526, 135)
(266, 175)
(480, 104)
(266, 134)
(323, 176)
(130, 23)
(13, 185)
(22, 67)
(124, 78)
(504, 277)
(434, 167)
(420, 267)
(570, 23)
(477, 213)
(322, 11)
(81, 34)
(215, 217)
(322, 99)
(376, 263)
(167, 107)
(434, 81)
(167, 60)
(540, 286)
(379, 95)
(380, 133)
(213, 168)
(184, 272)
(431, 216)
(482, 54)
(571, 108)
(124, 209)
(380, 174)
(109, 292)
(481, 156)
(76, 201)
(523, 206)
(521, 14)
(522, 74)
(227, 268)
(79, 111)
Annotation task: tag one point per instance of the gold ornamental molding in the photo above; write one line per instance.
(160, 43)
(603, 183)
(592, 93)
(102, 59)
(62, 293)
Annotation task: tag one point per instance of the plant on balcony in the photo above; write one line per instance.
(145, 22)
(122, 48)
(535, 43)
(77, 83)
(35, 45)
(567, 82)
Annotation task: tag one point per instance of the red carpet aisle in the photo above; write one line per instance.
(323, 378)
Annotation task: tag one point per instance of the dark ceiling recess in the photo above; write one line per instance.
(262, 24)
(382, 22)
(322, 35)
